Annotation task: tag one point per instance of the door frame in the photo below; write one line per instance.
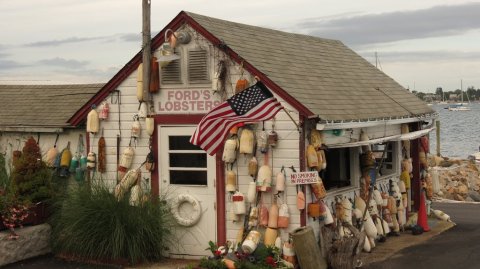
(189, 119)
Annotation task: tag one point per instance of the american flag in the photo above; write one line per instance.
(253, 104)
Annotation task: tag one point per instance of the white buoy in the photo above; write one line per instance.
(441, 215)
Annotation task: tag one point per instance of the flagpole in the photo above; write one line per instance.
(290, 116)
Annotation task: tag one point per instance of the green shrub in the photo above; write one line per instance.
(89, 223)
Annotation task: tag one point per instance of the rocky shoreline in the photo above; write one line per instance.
(455, 179)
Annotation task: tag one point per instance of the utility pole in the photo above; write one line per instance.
(146, 47)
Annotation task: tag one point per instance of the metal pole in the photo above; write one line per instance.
(437, 131)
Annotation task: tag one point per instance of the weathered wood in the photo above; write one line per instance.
(146, 46)
(307, 250)
(437, 132)
(342, 252)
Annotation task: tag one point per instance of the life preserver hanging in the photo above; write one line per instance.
(192, 218)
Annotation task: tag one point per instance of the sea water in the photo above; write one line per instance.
(459, 131)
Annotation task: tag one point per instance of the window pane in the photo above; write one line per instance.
(188, 177)
(181, 143)
(188, 160)
(337, 174)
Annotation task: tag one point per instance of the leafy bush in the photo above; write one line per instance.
(89, 223)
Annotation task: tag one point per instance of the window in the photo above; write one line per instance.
(388, 166)
(188, 163)
(337, 174)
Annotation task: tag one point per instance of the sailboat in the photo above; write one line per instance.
(460, 106)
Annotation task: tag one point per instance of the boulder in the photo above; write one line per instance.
(474, 195)
(33, 241)
(462, 189)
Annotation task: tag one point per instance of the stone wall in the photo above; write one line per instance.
(33, 241)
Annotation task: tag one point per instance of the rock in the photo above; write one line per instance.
(469, 199)
(440, 193)
(474, 195)
(33, 241)
(458, 197)
(446, 163)
(462, 189)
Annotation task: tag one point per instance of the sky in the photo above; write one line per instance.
(421, 44)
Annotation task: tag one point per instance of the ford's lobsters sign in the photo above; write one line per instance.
(186, 100)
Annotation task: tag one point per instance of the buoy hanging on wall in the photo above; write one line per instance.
(93, 121)
(104, 110)
(136, 127)
(150, 125)
(142, 110)
(230, 150)
(231, 182)
(264, 178)
(91, 160)
(247, 141)
(154, 76)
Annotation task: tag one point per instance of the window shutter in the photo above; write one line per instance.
(171, 74)
(197, 66)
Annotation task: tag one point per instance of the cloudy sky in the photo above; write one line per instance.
(421, 44)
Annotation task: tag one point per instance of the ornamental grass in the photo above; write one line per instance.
(90, 224)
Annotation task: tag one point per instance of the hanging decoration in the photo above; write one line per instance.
(155, 76)
(102, 154)
(253, 167)
(150, 161)
(262, 142)
(150, 125)
(93, 121)
(136, 127)
(264, 178)
(104, 110)
(247, 141)
(239, 203)
(140, 96)
(142, 110)
(242, 82)
(272, 139)
(125, 161)
(52, 153)
(231, 182)
(230, 150)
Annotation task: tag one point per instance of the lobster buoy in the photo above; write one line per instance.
(127, 158)
(136, 127)
(272, 139)
(377, 196)
(347, 211)
(263, 216)
(104, 110)
(155, 76)
(318, 189)
(283, 216)
(251, 242)
(190, 219)
(253, 167)
(91, 160)
(247, 141)
(230, 150)
(323, 164)
(136, 194)
(366, 245)
(253, 217)
(239, 203)
(231, 182)
(142, 110)
(280, 182)
(50, 157)
(262, 141)
(252, 192)
(264, 178)
(328, 219)
(270, 236)
(93, 121)
(130, 178)
(74, 163)
(370, 228)
(316, 139)
(288, 252)
(300, 200)
(312, 159)
(278, 242)
(66, 156)
(441, 215)
(150, 125)
(241, 85)
(360, 203)
(102, 155)
(140, 83)
(273, 216)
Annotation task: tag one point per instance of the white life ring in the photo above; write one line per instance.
(194, 217)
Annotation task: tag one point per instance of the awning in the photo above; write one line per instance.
(416, 134)
(364, 143)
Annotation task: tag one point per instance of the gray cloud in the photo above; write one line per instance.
(61, 62)
(8, 64)
(130, 37)
(395, 26)
(57, 42)
(423, 56)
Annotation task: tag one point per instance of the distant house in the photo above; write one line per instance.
(41, 111)
(322, 83)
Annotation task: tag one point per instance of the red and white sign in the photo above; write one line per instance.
(299, 178)
(186, 100)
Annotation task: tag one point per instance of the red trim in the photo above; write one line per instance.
(219, 182)
(303, 165)
(220, 190)
(132, 65)
(87, 142)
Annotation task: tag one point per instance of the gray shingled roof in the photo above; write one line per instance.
(324, 75)
(42, 105)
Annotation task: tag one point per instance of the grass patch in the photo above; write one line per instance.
(91, 224)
